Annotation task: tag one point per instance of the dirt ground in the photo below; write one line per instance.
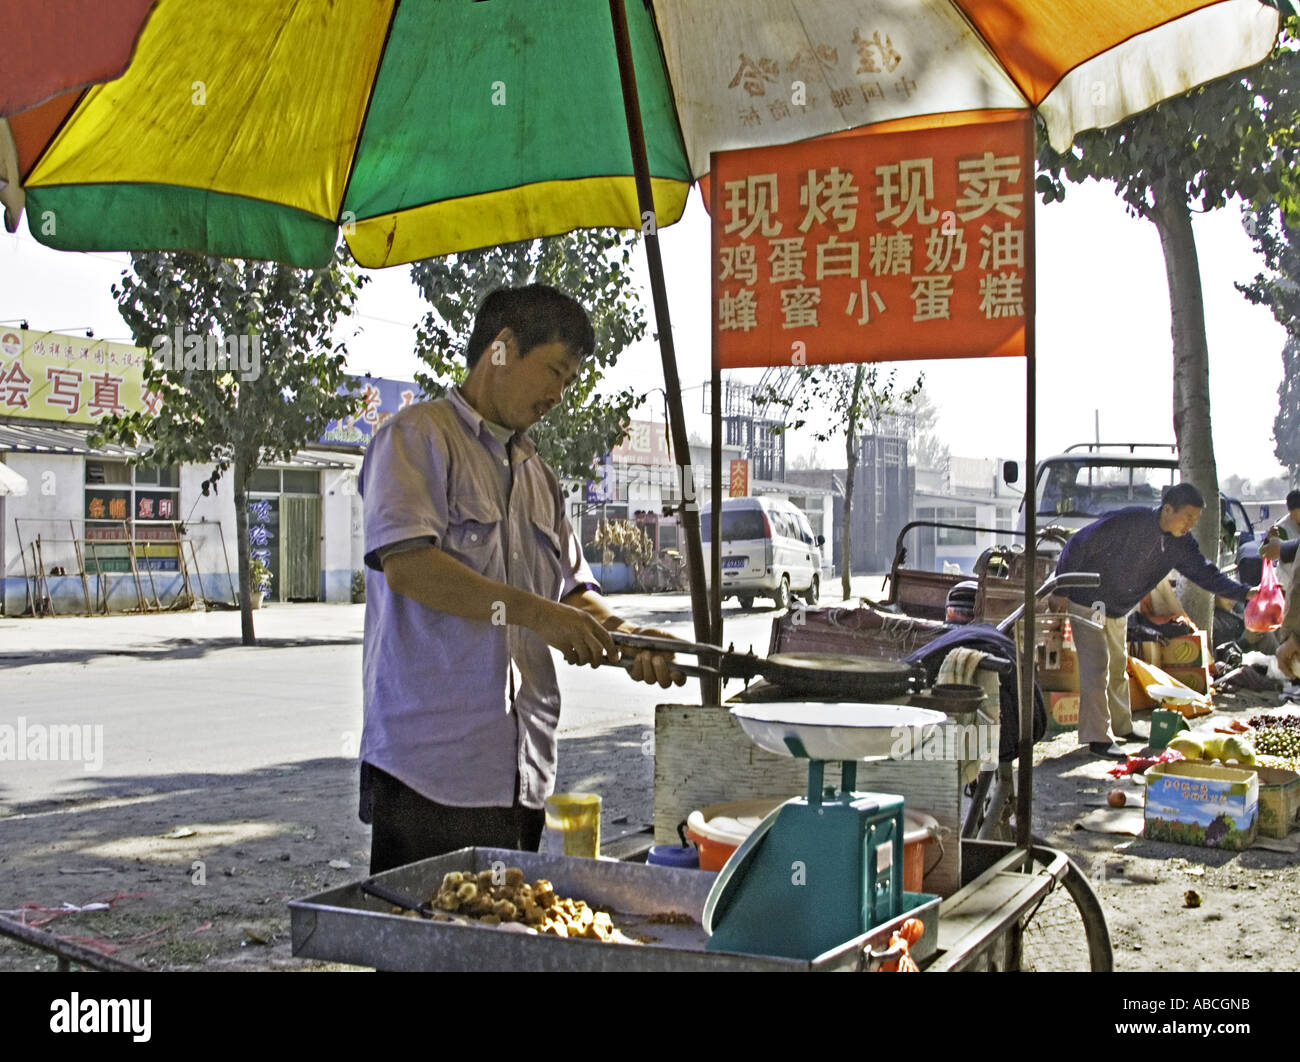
(198, 875)
(1248, 916)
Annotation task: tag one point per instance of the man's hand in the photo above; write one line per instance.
(577, 634)
(1271, 549)
(654, 667)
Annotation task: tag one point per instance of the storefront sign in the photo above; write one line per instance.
(875, 246)
(739, 480)
(71, 379)
(646, 443)
(382, 398)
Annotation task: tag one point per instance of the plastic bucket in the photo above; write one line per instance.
(718, 830)
(919, 829)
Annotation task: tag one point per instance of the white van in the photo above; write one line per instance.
(768, 550)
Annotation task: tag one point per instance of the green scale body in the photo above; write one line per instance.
(819, 871)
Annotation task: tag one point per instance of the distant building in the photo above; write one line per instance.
(144, 534)
(972, 493)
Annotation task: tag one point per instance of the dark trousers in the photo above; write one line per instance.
(408, 827)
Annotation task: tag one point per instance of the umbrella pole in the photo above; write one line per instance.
(1028, 654)
(689, 511)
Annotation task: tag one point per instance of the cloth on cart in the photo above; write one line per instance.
(962, 666)
(988, 639)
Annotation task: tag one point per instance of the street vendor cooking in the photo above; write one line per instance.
(473, 572)
(1132, 550)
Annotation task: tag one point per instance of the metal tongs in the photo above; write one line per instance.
(738, 665)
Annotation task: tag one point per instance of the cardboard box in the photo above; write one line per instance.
(1197, 678)
(1279, 800)
(1188, 650)
(1138, 698)
(1065, 677)
(1062, 711)
(1148, 651)
(1199, 804)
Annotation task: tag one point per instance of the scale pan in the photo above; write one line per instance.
(836, 731)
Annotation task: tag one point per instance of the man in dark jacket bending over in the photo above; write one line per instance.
(1132, 550)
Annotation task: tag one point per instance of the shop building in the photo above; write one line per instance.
(82, 529)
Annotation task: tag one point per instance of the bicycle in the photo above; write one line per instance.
(666, 573)
(1067, 928)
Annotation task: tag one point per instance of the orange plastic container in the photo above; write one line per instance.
(719, 829)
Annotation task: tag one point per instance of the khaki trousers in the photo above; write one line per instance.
(1103, 676)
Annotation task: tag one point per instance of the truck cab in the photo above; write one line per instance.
(1090, 480)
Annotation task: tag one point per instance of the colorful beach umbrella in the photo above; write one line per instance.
(421, 128)
(54, 46)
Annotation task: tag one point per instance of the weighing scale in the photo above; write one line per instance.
(827, 867)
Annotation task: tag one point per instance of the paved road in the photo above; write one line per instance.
(163, 700)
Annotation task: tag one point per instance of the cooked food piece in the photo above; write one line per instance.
(670, 918)
(492, 899)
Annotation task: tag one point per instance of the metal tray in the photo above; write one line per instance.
(344, 925)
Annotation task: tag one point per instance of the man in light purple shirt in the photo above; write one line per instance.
(473, 573)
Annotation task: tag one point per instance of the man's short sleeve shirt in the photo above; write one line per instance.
(439, 710)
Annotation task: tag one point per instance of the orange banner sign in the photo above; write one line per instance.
(885, 246)
(738, 485)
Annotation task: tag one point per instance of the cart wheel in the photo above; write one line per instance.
(782, 595)
(1067, 931)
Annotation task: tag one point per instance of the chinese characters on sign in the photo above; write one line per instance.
(866, 68)
(380, 399)
(74, 379)
(738, 485)
(875, 246)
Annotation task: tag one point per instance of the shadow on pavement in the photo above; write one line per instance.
(169, 649)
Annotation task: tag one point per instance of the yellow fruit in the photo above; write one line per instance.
(1213, 744)
(1192, 748)
(1239, 749)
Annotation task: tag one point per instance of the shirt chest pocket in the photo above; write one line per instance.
(474, 534)
(550, 572)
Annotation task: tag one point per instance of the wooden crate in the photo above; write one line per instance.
(702, 757)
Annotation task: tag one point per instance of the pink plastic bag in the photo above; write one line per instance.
(1264, 611)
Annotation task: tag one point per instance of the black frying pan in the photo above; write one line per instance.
(805, 674)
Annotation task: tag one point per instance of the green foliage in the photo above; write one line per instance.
(592, 265)
(259, 575)
(1278, 288)
(219, 419)
(842, 398)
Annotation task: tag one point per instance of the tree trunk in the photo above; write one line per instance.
(237, 475)
(1192, 425)
(851, 452)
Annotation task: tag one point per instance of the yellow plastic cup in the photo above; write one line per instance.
(573, 823)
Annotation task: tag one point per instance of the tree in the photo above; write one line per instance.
(1234, 137)
(235, 417)
(845, 398)
(1279, 290)
(592, 265)
(931, 451)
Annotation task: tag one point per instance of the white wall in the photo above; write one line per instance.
(55, 494)
(338, 550)
(207, 519)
